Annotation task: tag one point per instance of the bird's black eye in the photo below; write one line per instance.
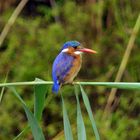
(75, 47)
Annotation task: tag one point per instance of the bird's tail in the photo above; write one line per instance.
(55, 88)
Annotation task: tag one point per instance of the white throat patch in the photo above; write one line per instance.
(65, 50)
(77, 52)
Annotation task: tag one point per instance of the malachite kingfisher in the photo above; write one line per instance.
(67, 64)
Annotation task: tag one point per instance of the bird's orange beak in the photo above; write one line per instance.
(86, 50)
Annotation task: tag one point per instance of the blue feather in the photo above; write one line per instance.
(61, 67)
(71, 43)
(55, 88)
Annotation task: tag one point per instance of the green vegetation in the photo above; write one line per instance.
(30, 48)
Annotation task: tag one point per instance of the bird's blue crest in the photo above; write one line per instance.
(70, 43)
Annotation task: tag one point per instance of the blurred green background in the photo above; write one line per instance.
(33, 43)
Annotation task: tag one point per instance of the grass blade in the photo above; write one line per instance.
(40, 93)
(119, 85)
(80, 123)
(1, 94)
(25, 130)
(36, 130)
(87, 105)
(67, 127)
(3, 88)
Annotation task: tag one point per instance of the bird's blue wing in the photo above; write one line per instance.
(61, 67)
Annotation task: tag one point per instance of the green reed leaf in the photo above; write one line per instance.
(88, 108)
(120, 85)
(36, 130)
(40, 93)
(67, 127)
(80, 123)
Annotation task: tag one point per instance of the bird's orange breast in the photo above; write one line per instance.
(74, 69)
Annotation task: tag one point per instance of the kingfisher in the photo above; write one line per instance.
(67, 64)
